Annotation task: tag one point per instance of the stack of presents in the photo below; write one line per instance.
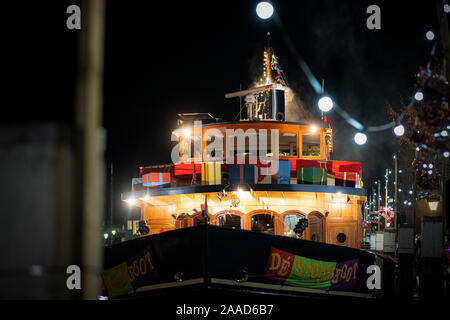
(292, 171)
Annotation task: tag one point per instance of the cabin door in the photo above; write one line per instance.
(315, 227)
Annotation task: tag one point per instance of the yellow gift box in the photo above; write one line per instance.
(211, 173)
(330, 180)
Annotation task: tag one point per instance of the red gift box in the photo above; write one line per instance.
(346, 179)
(185, 169)
(155, 179)
(344, 166)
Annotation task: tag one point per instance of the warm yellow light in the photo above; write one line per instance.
(282, 202)
(313, 129)
(433, 205)
(131, 201)
(147, 197)
(187, 132)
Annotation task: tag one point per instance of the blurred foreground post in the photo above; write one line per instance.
(90, 144)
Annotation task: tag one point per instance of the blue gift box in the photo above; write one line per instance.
(284, 173)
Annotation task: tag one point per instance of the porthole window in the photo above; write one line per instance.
(341, 237)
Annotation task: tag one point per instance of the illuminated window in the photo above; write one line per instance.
(290, 221)
(311, 145)
(263, 223)
(232, 221)
(288, 144)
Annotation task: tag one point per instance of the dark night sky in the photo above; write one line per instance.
(165, 57)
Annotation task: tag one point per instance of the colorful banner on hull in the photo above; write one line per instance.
(130, 275)
(310, 273)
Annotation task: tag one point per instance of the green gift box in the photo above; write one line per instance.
(311, 175)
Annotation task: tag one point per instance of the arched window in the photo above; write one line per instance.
(230, 219)
(290, 219)
(263, 223)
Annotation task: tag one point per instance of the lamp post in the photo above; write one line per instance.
(378, 204)
(395, 190)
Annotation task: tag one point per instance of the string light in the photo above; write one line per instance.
(399, 130)
(325, 104)
(360, 138)
(444, 133)
(418, 96)
(319, 90)
(264, 10)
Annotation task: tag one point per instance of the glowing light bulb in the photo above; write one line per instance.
(418, 96)
(360, 138)
(429, 35)
(131, 201)
(264, 10)
(325, 104)
(444, 133)
(399, 130)
(313, 129)
(445, 154)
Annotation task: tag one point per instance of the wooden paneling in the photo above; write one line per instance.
(343, 212)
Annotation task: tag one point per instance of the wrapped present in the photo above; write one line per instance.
(311, 175)
(243, 173)
(283, 176)
(352, 167)
(211, 173)
(306, 163)
(187, 169)
(155, 179)
(267, 179)
(344, 166)
(330, 179)
(346, 179)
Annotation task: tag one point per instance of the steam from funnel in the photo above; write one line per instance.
(296, 109)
